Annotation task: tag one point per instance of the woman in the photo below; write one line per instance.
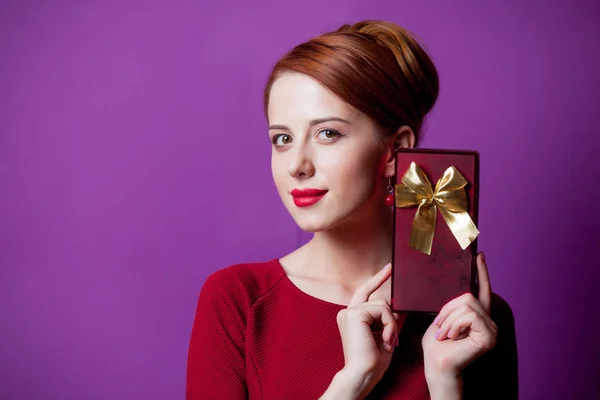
(305, 326)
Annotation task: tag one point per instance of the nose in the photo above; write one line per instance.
(301, 165)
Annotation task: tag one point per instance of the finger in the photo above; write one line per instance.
(362, 293)
(454, 304)
(480, 331)
(378, 302)
(449, 321)
(384, 291)
(485, 287)
(377, 326)
(464, 332)
(389, 333)
(464, 321)
(371, 313)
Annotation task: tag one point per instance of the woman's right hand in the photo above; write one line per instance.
(367, 354)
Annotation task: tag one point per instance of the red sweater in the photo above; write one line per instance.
(258, 336)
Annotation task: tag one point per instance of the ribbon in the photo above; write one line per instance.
(449, 194)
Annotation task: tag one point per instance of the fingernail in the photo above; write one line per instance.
(436, 320)
(437, 333)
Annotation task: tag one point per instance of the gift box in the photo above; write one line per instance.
(435, 228)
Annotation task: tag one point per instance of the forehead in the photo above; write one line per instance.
(296, 97)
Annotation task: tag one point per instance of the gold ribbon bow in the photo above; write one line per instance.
(449, 195)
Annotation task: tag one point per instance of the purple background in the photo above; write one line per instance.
(135, 160)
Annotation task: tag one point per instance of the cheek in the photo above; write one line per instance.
(277, 171)
(356, 172)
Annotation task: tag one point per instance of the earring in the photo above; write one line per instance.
(389, 199)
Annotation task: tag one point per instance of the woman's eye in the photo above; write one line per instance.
(328, 134)
(281, 139)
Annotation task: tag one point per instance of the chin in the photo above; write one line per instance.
(312, 224)
(323, 216)
(319, 221)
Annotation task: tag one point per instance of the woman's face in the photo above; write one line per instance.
(322, 143)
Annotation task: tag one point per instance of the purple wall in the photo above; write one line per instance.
(130, 135)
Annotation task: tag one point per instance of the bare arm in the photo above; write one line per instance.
(342, 388)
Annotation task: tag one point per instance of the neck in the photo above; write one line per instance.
(356, 249)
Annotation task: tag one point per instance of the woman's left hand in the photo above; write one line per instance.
(462, 331)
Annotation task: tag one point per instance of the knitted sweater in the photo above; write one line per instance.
(256, 335)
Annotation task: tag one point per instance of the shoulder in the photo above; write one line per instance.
(496, 373)
(241, 284)
(502, 314)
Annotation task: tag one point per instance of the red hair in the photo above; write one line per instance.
(377, 67)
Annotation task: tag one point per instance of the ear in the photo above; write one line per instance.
(404, 137)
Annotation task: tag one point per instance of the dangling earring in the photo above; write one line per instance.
(389, 199)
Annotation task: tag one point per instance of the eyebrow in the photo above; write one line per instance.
(313, 122)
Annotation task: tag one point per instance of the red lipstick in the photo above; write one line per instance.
(307, 197)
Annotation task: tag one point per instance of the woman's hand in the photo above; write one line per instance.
(462, 332)
(367, 354)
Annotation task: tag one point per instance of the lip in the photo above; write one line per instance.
(307, 192)
(307, 197)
